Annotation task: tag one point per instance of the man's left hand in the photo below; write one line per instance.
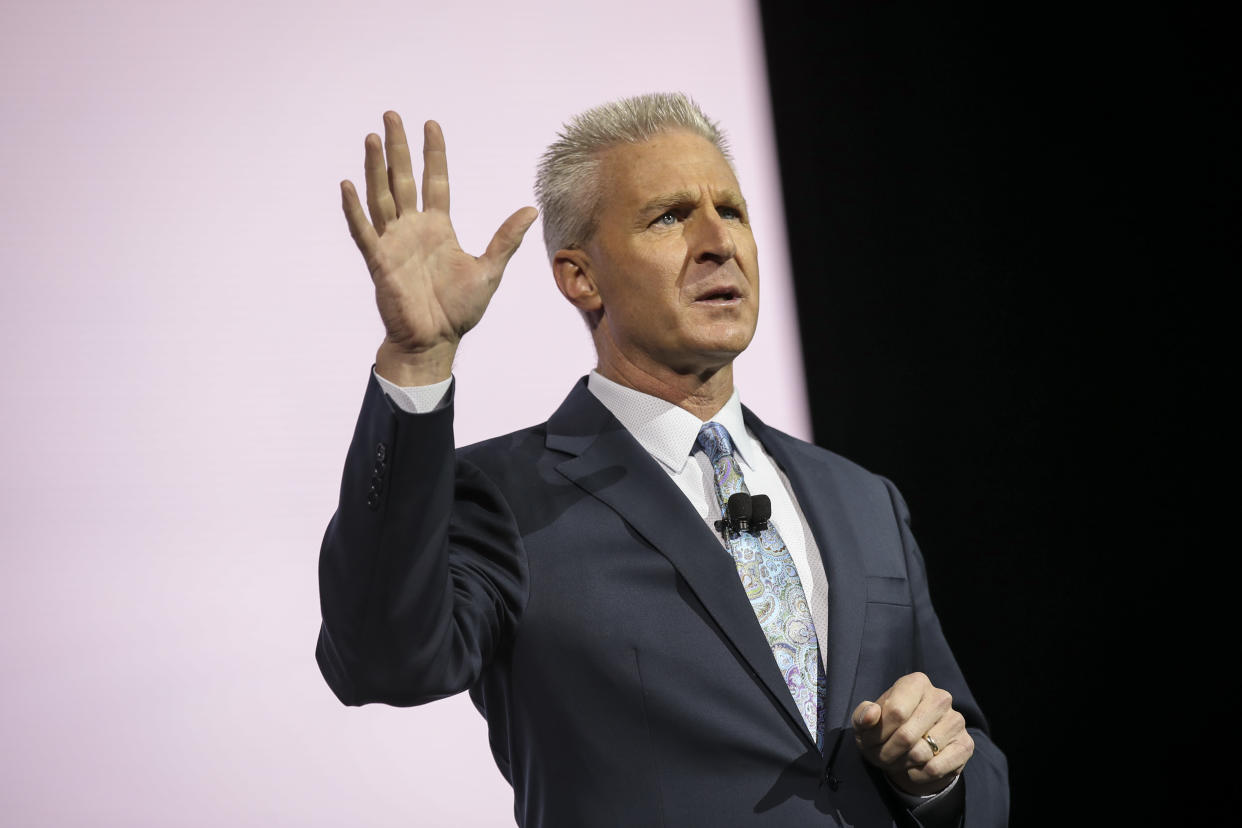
(914, 735)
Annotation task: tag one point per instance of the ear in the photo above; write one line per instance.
(572, 270)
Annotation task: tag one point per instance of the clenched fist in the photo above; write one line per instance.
(914, 735)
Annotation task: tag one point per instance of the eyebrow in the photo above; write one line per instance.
(666, 201)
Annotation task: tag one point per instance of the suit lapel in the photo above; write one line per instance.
(610, 465)
(820, 496)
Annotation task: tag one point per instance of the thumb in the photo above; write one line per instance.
(866, 715)
(505, 243)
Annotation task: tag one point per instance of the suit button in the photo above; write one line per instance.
(377, 485)
(381, 451)
(380, 468)
(373, 500)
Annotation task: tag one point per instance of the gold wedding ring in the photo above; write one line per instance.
(931, 743)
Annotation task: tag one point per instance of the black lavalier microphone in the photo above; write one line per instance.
(744, 513)
(760, 512)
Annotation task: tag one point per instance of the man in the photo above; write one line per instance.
(647, 647)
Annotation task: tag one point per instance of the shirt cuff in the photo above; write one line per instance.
(416, 399)
(913, 800)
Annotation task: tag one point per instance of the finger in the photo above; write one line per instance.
(900, 700)
(945, 764)
(950, 727)
(952, 759)
(379, 199)
(435, 169)
(507, 239)
(898, 704)
(359, 228)
(934, 705)
(400, 170)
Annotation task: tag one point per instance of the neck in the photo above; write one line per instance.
(702, 393)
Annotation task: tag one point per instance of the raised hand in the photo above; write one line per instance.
(913, 734)
(429, 291)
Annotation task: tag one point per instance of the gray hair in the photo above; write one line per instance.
(567, 181)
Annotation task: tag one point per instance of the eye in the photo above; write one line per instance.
(729, 213)
(666, 219)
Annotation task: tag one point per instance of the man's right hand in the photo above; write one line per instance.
(429, 290)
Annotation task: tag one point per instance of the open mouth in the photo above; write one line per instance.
(719, 296)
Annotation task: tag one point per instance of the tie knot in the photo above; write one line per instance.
(715, 442)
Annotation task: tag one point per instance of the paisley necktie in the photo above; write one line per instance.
(771, 582)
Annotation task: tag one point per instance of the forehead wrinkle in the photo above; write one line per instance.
(665, 200)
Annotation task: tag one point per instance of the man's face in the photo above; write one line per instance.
(673, 256)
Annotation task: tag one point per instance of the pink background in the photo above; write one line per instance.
(185, 334)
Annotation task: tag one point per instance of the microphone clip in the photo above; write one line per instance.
(745, 513)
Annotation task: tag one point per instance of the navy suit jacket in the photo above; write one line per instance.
(560, 576)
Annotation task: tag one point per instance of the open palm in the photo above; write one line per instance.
(429, 291)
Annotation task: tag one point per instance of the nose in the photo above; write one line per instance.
(711, 238)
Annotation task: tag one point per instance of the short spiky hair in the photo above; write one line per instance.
(567, 181)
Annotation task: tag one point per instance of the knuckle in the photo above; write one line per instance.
(888, 755)
(919, 775)
(903, 740)
(945, 761)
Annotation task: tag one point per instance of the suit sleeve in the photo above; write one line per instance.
(422, 575)
(985, 779)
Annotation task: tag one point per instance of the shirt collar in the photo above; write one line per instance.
(669, 433)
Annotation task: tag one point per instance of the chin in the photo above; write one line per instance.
(732, 340)
(719, 352)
